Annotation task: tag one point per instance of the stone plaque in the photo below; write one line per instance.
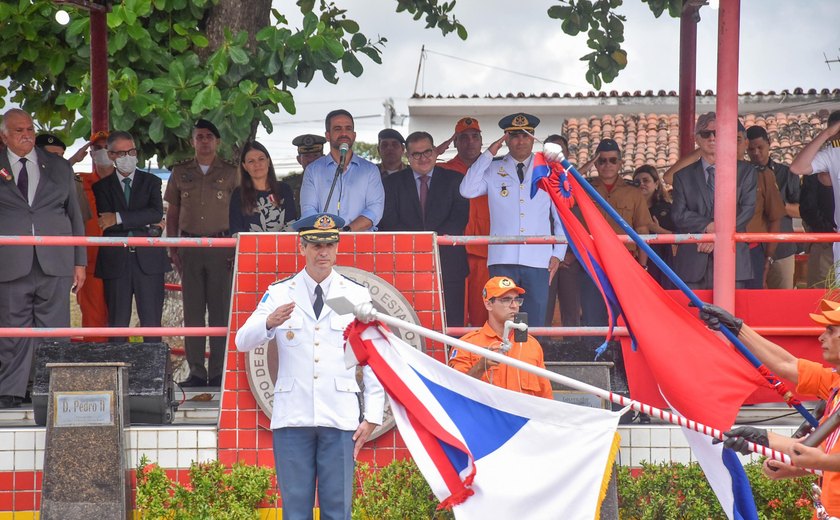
(83, 409)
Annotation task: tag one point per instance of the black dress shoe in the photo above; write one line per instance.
(215, 381)
(9, 401)
(193, 381)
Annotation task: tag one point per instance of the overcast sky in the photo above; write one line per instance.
(518, 35)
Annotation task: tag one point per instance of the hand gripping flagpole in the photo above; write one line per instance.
(553, 153)
(366, 313)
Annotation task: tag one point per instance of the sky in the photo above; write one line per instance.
(520, 36)
(782, 46)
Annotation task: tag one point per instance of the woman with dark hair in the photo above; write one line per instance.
(261, 202)
(659, 205)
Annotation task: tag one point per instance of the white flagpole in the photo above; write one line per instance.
(366, 313)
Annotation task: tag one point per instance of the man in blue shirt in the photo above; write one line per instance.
(358, 196)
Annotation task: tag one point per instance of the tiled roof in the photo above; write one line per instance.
(654, 138)
(636, 93)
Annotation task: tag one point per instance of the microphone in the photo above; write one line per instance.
(342, 157)
(342, 151)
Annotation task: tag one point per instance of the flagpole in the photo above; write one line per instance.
(665, 268)
(366, 313)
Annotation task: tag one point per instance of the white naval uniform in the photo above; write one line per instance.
(313, 386)
(513, 211)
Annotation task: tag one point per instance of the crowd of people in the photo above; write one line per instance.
(475, 193)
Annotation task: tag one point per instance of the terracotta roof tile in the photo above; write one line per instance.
(654, 138)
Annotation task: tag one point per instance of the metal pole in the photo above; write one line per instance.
(725, 160)
(98, 70)
(688, 76)
(366, 313)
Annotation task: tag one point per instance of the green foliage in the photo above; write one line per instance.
(369, 151)
(604, 29)
(666, 491)
(165, 72)
(397, 490)
(213, 492)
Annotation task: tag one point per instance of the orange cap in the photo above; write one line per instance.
(499, 285)
(467, 123)
(829, 313)
(95, 136)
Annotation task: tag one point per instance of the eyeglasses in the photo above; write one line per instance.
(705, 134)
(425, 154)
(507, 300)
(605, 160)
(132, 152)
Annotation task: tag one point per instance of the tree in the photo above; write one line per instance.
(229, 61)
(173, 61)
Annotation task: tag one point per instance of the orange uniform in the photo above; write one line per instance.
(815, 379)
(503, 375)
(91, 296)
(477, 225)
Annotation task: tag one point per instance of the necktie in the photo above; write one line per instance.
(424, 194)
(319, 300)
(127, 189)
(520, 170)
(710, 181)
(23, 179)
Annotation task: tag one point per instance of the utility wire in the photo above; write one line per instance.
(525, 74)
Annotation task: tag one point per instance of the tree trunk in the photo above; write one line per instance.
(236, 15)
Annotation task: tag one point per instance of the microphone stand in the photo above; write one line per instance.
(335, 177)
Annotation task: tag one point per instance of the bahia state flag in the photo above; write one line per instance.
(489, 452)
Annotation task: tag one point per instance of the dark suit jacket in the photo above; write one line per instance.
(54, 212)
(144, 208)
(693, 209)
(447, 213)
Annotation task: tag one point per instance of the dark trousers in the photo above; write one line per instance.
(34, 300)
(453, 297)
(535, 282)
(304, 456)
(147, 292)
(757, 259)
(206, 284)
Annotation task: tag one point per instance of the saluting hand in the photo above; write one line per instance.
(494, 148)
(279, 316)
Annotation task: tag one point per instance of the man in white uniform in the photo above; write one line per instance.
(506, 181)
(815, 158)
(317, 433)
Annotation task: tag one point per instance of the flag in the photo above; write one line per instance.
(486, 451)
(699, 375)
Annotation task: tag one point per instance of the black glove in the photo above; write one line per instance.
(715, 316)
(737, 439)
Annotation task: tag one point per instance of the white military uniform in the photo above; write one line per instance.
(313, 386)
(513, 211)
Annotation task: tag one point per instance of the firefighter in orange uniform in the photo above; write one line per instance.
(467, 139)
(91, 297)
(502, 299)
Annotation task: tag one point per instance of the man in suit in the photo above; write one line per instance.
(693, 211)
(130, 204)
(425, 197)
(316, 417)
(37, 197)
(506, 181)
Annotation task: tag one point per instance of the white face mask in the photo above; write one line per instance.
(126, 164)
(100, 157)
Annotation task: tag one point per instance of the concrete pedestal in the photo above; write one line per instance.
(595, 374)
(84, 463)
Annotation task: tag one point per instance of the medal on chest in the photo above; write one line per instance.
(290, 335)
(504, 192)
